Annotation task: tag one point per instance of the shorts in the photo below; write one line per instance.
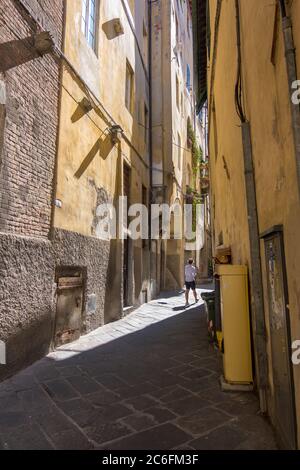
(190, 285)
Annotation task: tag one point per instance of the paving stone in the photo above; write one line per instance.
(26, 438)
(53, 423)
(205, 383)
(234, 408)
(136, 390)
(156, 387)
(141, 403)
(47, 373)
(186, 406)
(69, 371)
(11, 402)
(22, 381)
(12, 419)
(256, 442)
(184, 447)
(197, 374)
(71, 440)
(184, 358)
(139, 422)
(179, 370)
(176, 393)
(84, 385)
(77, 405)
(3, 444)
(217, 396)
(162, 437)
(164, 379)
(160, 414)
(111, 381)
(107, 432)
(103, 398)
(223, 438)
(35, 400)
(113, 412)
(158, 393)
(60, 390)
(203, 420)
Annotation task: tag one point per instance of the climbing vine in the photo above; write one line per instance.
(197, 164)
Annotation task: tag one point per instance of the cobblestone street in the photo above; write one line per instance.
(149, 381)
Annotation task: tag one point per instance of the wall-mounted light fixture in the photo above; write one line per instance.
(118, 26)
(116, 132)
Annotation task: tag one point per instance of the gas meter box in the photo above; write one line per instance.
(234, 300)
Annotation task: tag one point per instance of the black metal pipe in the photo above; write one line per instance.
(283, 8)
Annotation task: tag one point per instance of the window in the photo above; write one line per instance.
(177, 93)
(177, 29)
(89, 20)
(131, 6)
(179, 152)
(145, 40)
(129, 87)
(215, 132)
(146, 124)
(188, 25)
(188, 77)
(145, 203)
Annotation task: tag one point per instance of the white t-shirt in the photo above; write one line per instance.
(190, 273)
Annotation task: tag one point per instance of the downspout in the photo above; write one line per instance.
(291, 66)
(257, 301)
(150, 198)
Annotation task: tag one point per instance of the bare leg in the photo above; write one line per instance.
(195, 295)
(187, 295)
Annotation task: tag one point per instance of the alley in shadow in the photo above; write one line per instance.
(149, 381)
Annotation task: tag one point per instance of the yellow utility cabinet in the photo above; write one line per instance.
(234, 298)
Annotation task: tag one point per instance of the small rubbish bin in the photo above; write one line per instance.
(209, 302)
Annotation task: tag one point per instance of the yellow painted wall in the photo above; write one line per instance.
(89, 166)
(169, 119)
(86, 158)
(266, 99)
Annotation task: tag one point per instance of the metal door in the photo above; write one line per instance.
(127, 183)
(280, 340)
(68, 310)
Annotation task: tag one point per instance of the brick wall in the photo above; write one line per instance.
(29, 146)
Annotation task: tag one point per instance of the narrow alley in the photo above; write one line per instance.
(148, 381)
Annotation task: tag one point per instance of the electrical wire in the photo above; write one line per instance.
(238, 86)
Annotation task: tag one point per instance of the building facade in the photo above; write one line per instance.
(103, 154)
(96, 103)
(173, 114)
(253, 52)
(29, 99)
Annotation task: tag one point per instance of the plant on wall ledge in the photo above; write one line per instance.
(197, 154)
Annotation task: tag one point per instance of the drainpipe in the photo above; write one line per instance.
(258, 317)
(291, 66)
(257, 301)
(150, 139)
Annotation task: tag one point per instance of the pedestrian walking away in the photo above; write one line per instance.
(190, 274)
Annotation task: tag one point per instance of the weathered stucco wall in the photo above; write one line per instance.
(89, 164)
(267, 104)
(29, 99)
(27, 299)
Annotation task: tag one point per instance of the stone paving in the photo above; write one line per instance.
(149, 381)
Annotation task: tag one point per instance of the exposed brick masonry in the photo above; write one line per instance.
(32, 91)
